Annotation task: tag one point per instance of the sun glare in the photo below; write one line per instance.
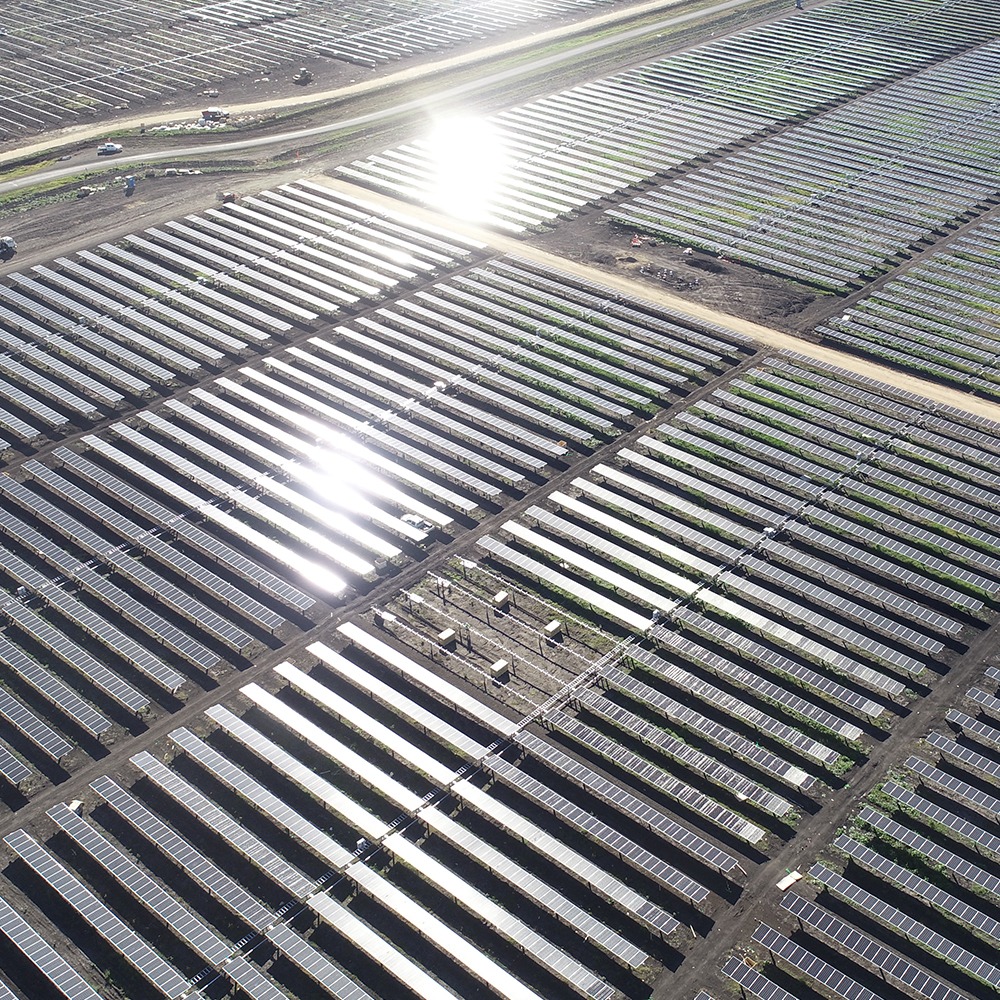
(469, 163)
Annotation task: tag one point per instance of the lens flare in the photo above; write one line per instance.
(469, 162)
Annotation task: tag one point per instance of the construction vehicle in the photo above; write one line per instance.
(215, 114)
(8, 247)
(303, 76)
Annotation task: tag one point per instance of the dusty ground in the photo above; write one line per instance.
(693, 275)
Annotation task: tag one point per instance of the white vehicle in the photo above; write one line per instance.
(418, 522)
(109, 148)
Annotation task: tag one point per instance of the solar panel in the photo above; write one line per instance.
(349, 926)
(112, 595)
(12, 767)
(868, 949)
(607, 836)
(123, 869)
(182, 853)
(466, 429)
(171, 487)
(943, 817)
(64, 978)
(443, 937)
(962, 789)
(412, 803)
(315, 510)
(396, 744)
(86, 359)
(921, 888)
(456, 888)
(323, 972)
(653, 735)
(374, 413)
(539, 892)
(241, 498)
(339, 421)
(449, 693)
(638, 767)
(283, 762)
(753, 982)
(64, 647)
(38, 731)
(131, 568)
(804, 962)
(144, 539)
(623, 584)
(252, 981)
(543, 390)
(716, 733)
(462, 384)
(500, 919)
(600, 542)
(393, 790)
(118, 934)
(340, 509)
(94, 286)
(984, 732)
(773, 661)
(989, 702)
(268, 803)
(585, 821)
(52, 688)
(196, 295)
(241, 839)
(974, 761)
(176, 524)
(637, 809)
(911, 928)
(508, 336)
(569, 860)
(426, 720)
(560, 581)
(374, 471)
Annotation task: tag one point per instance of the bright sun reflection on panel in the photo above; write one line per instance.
(469, 162)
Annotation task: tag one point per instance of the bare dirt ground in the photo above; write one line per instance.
(692, 275)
